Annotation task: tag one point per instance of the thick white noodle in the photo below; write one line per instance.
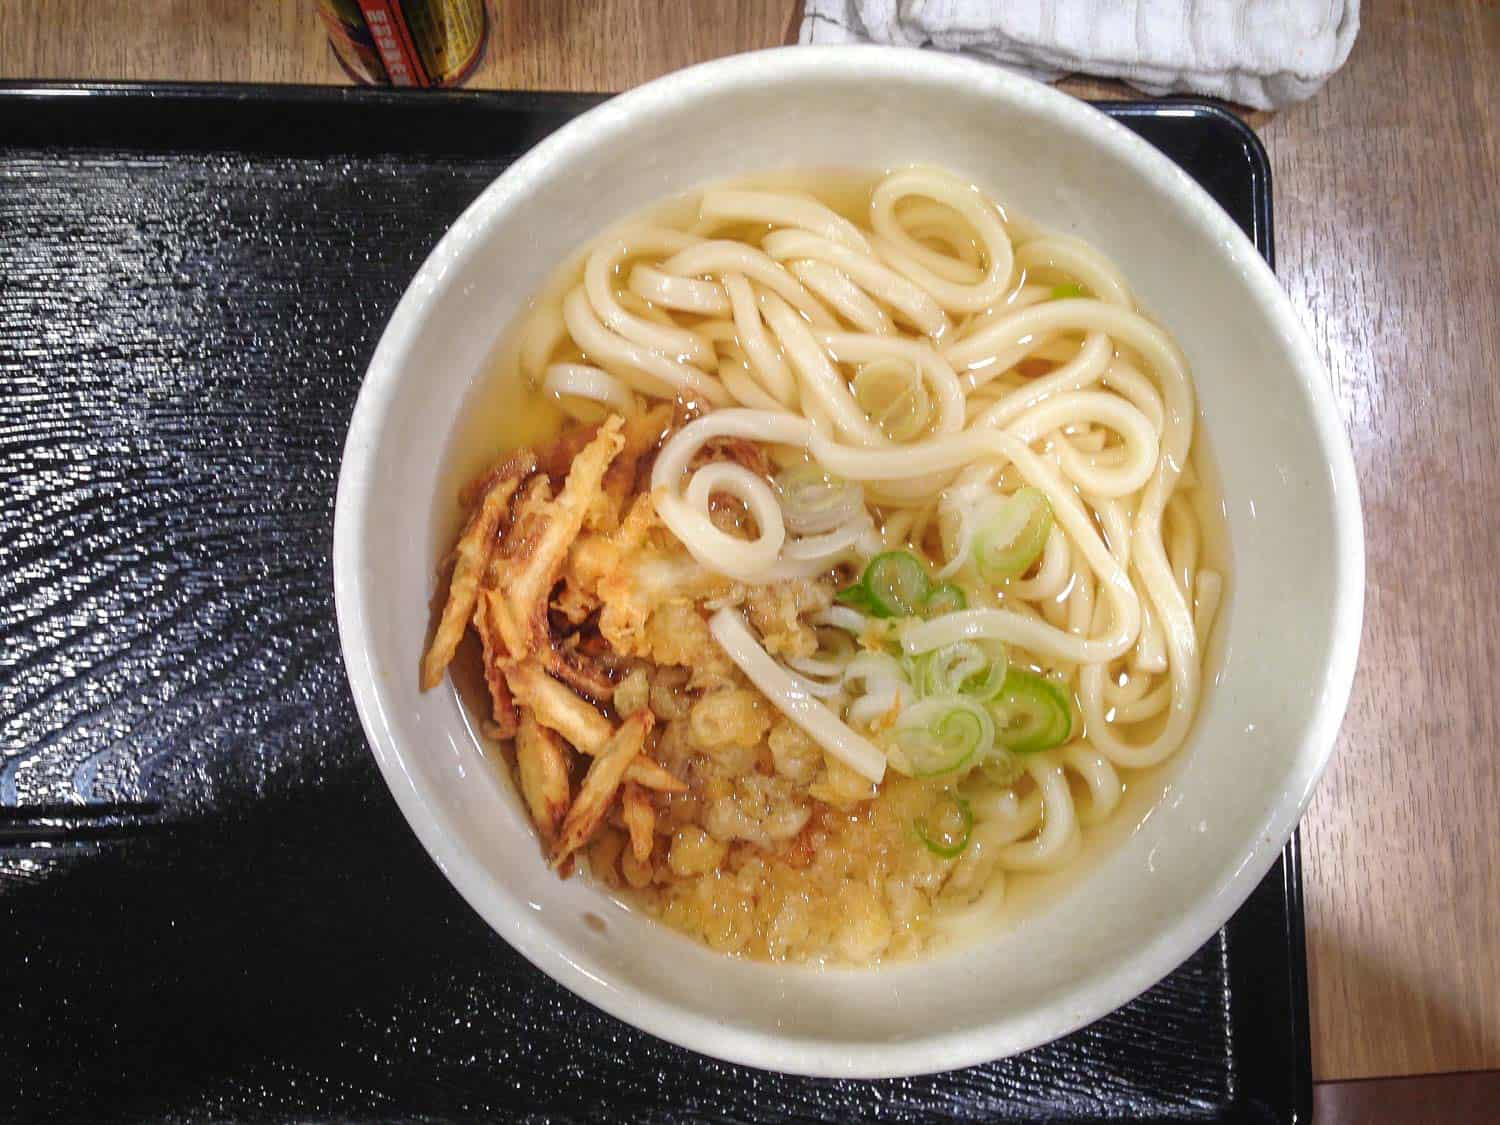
(683, 294)
(763, 359)
(822, 725)
(719, 257)
(1049, 847)
(1082, 371)
(1077, 258)
(818, 380)
(583, 381)
(915, 261)
(634, 364)
(781, 210)
(598, 283)
(1099, 776)
(1051, 577)
(879, 280)
(847, 299)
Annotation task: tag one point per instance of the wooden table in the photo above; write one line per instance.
(1388, 235)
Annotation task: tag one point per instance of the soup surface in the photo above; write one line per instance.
(841, 560)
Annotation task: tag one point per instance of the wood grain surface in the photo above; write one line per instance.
(1388, 238)
(1388, 233)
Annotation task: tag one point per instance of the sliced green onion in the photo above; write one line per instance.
(813, 502)
(891, 393)
(895, 584)
(1032, 713)
(1071, 289)
(1002, 768)
(964, 668)
(945, 842)
(946, 598)
(941, 736)
(856, 597)
(1012, 532)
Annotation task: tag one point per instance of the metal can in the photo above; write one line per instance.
(406, 42)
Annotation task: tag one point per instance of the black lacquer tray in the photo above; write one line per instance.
(210, 908)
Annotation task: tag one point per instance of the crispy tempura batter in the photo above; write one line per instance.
(542, 767)
(489, 616)
(648, 774)
(634, 571)
(601, 783)
(640, 820)
(518, 464)
(570, 579)
(534, 554)
(741, 451)
(470, 558)
(560, 711)
(530, 574)
(558, 708)
(643, 433)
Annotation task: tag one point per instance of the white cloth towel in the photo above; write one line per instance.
(1262, 53)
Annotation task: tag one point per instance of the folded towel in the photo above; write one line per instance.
(1262, 53)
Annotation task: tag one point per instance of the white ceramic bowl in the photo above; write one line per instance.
(1266, 730)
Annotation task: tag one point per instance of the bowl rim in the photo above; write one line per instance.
(1092, 996)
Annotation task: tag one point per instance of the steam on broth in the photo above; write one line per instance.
(842, 560)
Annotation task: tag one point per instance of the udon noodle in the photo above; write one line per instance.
(980, 447)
